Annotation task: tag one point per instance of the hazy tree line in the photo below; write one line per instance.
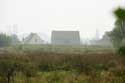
(6, 40)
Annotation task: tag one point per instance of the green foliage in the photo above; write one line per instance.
(102, 67)
(121, 50)
(117, 35)
(5, 40)
(29, 70)
(120, 13)
(54, 78)
(105, 67)
(7, 70)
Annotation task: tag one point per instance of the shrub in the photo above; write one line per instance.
(121, 50)
(101, 67)
(7, 70)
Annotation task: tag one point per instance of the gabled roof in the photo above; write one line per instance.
(32, 35)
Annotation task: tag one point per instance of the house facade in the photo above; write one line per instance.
(33, 38)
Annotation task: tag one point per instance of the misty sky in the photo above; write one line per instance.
(47, 15)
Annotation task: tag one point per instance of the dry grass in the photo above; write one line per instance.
(54, 67)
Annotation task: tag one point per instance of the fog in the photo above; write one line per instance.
(43, 16)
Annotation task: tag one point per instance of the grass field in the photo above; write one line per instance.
(78, 49)
(61, 64)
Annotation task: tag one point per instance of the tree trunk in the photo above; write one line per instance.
(8, 79)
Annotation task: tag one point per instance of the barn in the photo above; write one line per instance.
(65, 37)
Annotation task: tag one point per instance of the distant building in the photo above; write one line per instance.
(97, 35)
(104, 41)
(65, 37)
(33, 38)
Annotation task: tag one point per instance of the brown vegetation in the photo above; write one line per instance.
(94, 68)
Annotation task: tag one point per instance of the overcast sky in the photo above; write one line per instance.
(47, 15)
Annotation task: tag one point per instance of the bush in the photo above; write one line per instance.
(121, 50)
(7, 70)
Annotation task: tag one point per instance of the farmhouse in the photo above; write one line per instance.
(33, 38)
(65, 37)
